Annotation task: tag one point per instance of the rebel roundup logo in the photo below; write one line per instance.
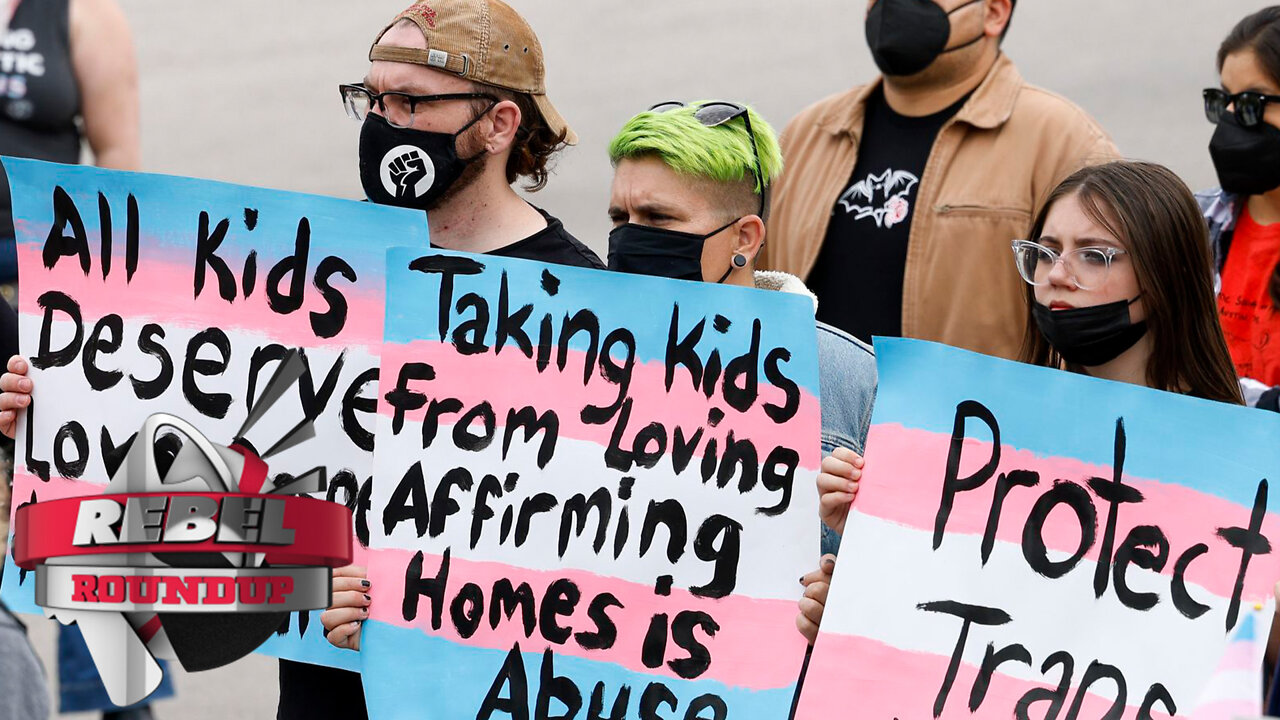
(192, 552)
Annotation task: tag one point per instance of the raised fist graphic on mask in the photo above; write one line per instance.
(406, 171)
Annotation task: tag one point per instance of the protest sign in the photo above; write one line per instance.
(595, 494)
(1028, 542)
(145, 293)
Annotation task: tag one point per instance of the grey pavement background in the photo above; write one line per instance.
(246, 91)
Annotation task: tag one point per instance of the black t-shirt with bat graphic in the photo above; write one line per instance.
(858, 274)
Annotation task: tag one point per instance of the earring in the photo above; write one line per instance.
(739, 260)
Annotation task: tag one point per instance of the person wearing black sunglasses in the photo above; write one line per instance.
(689, 200)
(1244, 220)
(1244, 213)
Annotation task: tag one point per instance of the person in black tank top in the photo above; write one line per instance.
(67, 70)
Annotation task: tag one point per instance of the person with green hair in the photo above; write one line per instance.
(689, 201)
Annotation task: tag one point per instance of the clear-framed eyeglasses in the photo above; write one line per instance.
(1087, 267)
(398, 108)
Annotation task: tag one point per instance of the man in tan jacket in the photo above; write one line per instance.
(899, 199)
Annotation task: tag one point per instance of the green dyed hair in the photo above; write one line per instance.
(721, 154)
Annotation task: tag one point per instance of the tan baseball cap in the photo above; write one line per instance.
(481, 40)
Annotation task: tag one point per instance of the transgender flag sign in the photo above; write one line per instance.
(1031, 543)
(593, 494)
(148, 294)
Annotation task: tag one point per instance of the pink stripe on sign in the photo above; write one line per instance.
(1229, 710)
(903, 484)
(757, 646)
(512, 373)
(1239, 655)
(56, 489)
(164, 292)
(851, 677)
(360, 557)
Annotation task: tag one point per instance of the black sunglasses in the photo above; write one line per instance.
(719, 112)
(1249, 106)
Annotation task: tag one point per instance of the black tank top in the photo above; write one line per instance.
(39, 96)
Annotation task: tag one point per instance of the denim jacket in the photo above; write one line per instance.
(846, 383)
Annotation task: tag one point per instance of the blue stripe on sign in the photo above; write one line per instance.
(644, 305)
(1247, 629)
(312, 647)
(169, 210)
(1214, 448)
(20, 598)
(411, 675)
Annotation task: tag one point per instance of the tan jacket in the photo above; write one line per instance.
(990, 169)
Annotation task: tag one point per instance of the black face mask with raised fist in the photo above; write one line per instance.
(406, 167)
(906, 36)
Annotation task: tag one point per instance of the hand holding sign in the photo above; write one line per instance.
(1089, 567)
(350, 607)
(816, 585)
(15, 395)
(838, 486)
(146, 293)
(592, 491)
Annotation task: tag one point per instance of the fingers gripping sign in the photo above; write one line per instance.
(816, 585)
(838, 486)
(15, 394)
(350, 608)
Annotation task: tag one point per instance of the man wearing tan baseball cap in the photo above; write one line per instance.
(453, 110)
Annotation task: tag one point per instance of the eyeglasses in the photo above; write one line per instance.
(719, 112)
(1249, 106)
(1087, 266)
(359, 101)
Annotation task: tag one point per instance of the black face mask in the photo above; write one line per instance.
(1089, 336)
(906, 36)
(1247, 159)
(406, 167)
(646, 250)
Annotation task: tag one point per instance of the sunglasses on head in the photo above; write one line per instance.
(1248, 106)
(718, 112)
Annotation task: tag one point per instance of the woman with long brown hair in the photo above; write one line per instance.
(1120, 283)
(1120, 287)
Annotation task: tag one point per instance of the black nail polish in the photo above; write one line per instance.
(366, 597)
(364, 583)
